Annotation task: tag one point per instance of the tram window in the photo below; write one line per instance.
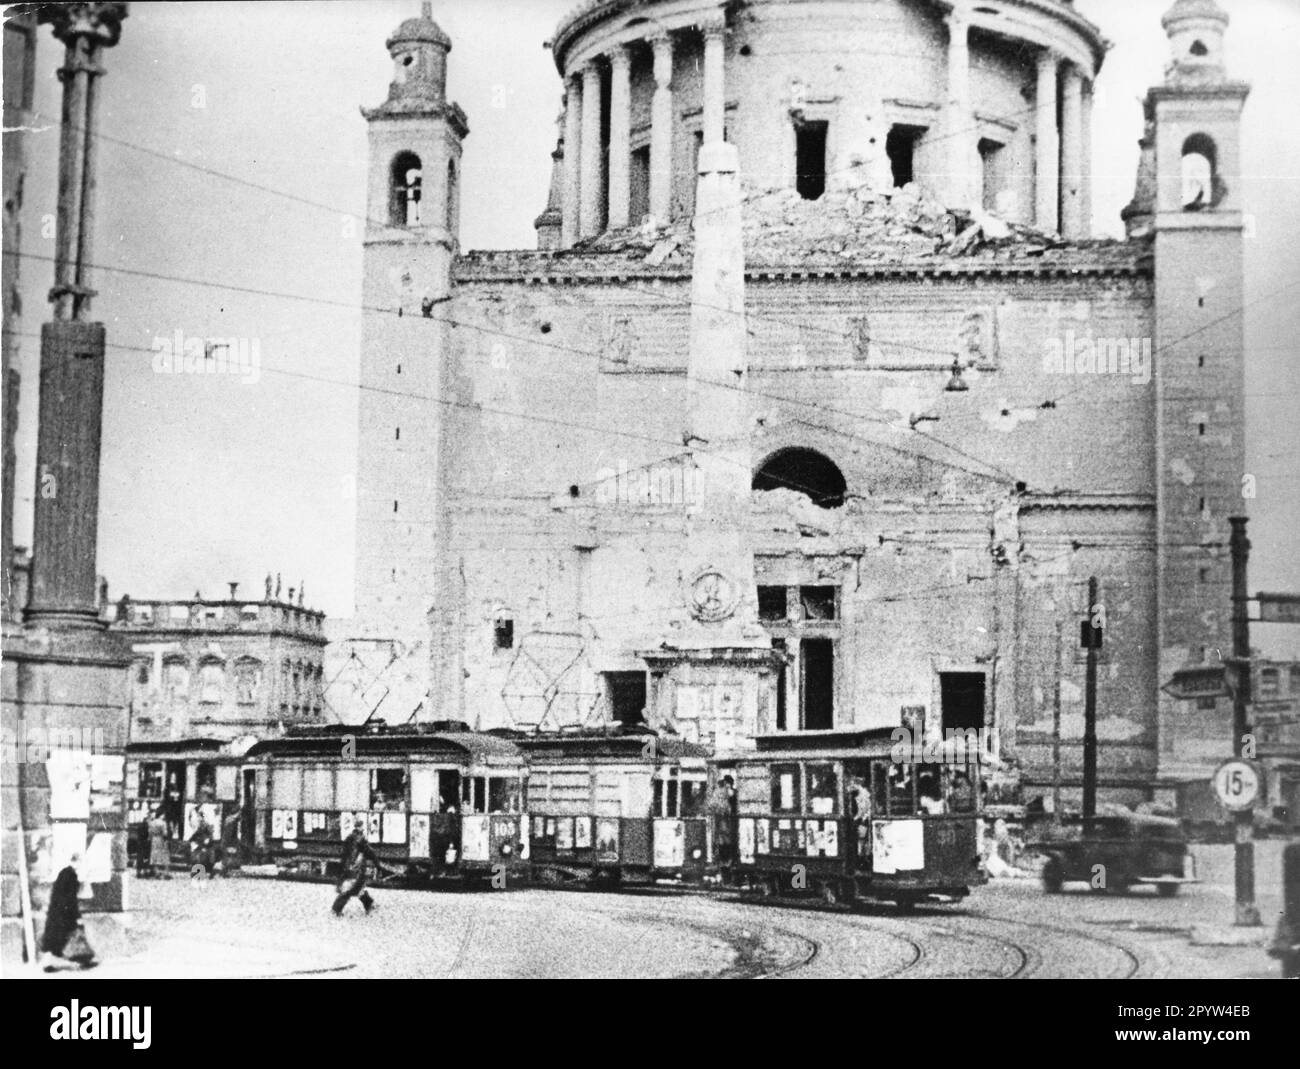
(205, 781)
(474, 795)
(857, 789)
(151, 779)
(786, 789)
(752, 789)
(823, 790)
(666, 799)
(352, 790)
(693, 798)
(448, 791)
(902, 790)
(503, 795)
(318, 788)
(227, 783)
(286, 788)
(388, 788)
(929, 788)
(424, 790)
(880, 788)
(961, 794)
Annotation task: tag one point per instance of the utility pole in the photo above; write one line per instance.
(1056, 727)
(1247, 912)
(1094, 634)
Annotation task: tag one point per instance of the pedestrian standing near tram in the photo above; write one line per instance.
(160, 855)
(358, 862)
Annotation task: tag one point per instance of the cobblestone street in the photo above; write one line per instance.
(264, 927)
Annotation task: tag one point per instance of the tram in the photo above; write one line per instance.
(610, 806)
(186, 782)
(833, 815)
(439, 801)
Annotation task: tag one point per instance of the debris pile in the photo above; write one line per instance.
(851, 221)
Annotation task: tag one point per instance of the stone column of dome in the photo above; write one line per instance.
(1047, 185)
(1072, 154)
(591, 162)
(661, 129)
(620, 136)
(715, 79)
(960, 118)
(1085, 227)
(572, 161)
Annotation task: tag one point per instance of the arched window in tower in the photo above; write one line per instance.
(1199, 174)
(805, 471)
(404, 190)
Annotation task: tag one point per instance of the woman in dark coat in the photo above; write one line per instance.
(63, 936)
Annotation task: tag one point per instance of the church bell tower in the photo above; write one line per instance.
(410, 240)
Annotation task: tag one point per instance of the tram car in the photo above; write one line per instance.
(188, 782)
(619, 805)
(834, 816)
(439, 801)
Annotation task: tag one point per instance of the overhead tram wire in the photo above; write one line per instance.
(527, 340)
(315, 204)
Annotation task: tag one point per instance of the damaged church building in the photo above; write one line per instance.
(816, 406)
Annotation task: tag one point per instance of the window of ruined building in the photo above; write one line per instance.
(178, 679)
(992, 157)
(1198, 49)
(404, 190)
(212, 679)
(142, 674)
(1199, 170)
(900, 147)
(248, 681)
(1295, 679)
(805, 471)
(1207, 704)
(771, 603)
(1270, 680)
(810, 158)
(625, 693)
(961, 697)
(503, 634)
(818, 602)
(817, 684)
(639, 184)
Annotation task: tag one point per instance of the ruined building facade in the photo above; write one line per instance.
(816, 406)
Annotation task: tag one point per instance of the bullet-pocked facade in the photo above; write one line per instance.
(816, 406)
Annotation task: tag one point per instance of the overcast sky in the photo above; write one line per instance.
(207, 480)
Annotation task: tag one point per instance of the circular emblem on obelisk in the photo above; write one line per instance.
(713, 595)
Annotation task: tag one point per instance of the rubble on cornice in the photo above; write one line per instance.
(850, 227)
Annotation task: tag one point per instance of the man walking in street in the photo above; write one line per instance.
(358, 857)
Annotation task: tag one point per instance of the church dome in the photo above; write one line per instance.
(1194, 9)
(422, 30)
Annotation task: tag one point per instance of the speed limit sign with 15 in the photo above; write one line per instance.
(1236, 784)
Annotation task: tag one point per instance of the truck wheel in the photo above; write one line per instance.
(1053, 876)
